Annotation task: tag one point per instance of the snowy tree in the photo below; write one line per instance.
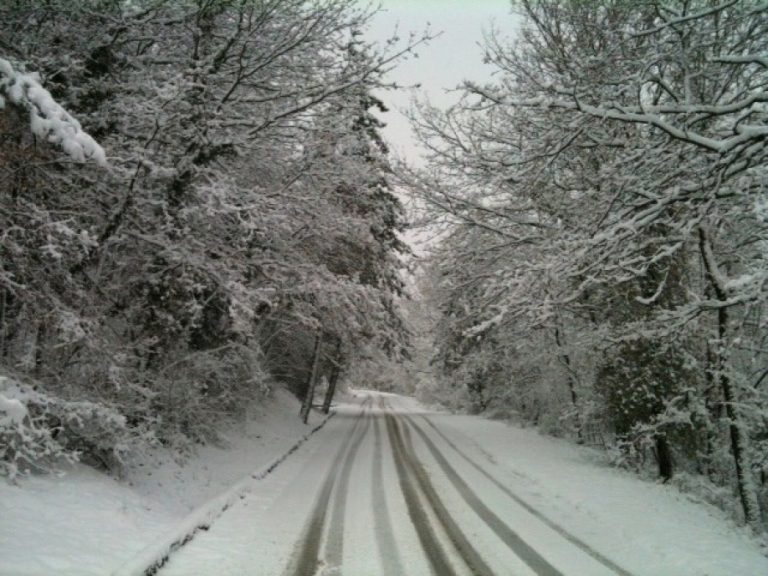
(608, 166)
(175, 286)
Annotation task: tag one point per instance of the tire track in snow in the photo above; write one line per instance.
(334, 547)
(385, 538)
(513, 541)
(546, 520)
(427, 537)
(410, 468)
(305, 559)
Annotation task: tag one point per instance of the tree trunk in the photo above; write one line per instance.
(306, 406)
(3, 330)
(664, 457)
(739, 448)
(738, 436)
(566, 360)
(40, 333)
(335, 373)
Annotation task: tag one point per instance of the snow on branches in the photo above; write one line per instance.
(47, 118)
(623, 148)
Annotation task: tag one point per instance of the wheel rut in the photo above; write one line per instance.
(446, 547)
(513, 541)
(403, 450)
(442, 461)
(385, 540)
(306, 557)
(436, 556)
(334, 547)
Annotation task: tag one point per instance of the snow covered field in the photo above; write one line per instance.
(387, 487)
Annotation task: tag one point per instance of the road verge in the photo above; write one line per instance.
(153, 557)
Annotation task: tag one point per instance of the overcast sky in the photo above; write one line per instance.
(444, 62)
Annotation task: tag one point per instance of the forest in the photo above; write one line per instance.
(197, 206)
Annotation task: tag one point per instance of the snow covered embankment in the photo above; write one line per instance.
(154, 556)
(85, 523)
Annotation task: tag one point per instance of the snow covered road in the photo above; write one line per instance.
(388, 489)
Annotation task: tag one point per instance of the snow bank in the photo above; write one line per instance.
(85, 523)
(76, 525)
(48, 119)
(152, 558)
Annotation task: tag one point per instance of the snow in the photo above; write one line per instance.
(259, 532)
(86, 523)
(77, 525)
(560, 499)
(645, 527)
(12, 411)
(48, 119)
(157, 553)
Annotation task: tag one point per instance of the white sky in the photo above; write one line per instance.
(443, 63)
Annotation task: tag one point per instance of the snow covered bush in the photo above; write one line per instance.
(196, 394)
(25, 443)
(39, 432)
